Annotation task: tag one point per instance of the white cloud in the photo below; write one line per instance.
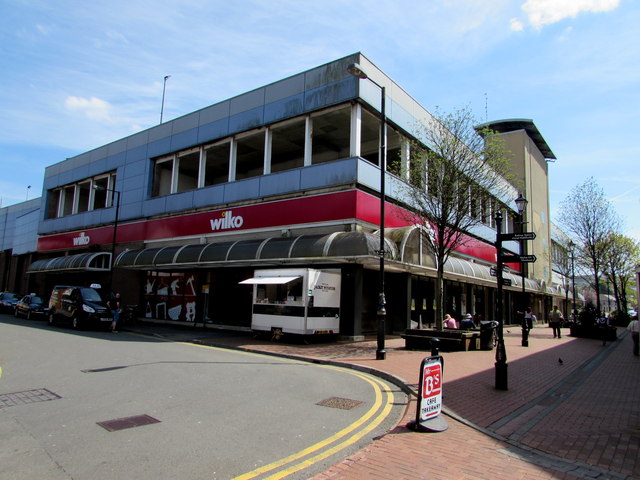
(545, 12)
(516, 25)
(93, 108)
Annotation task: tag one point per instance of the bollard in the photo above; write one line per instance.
(525, 337)
(435, 347)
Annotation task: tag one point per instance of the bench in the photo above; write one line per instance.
(451, 340)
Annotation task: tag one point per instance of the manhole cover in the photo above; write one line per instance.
(127, 422)
(337, 402)
(28, 396)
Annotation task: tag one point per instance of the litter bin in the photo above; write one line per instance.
(486, 335)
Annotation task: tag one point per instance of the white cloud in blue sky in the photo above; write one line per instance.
(76, 75)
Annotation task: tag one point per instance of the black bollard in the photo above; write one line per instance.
(435, 347)
(525, 337)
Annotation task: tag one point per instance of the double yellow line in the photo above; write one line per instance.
(346, 437)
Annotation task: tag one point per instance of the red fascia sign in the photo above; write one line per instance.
(351, 205)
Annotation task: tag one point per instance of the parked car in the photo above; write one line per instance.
(79, 307)
(31, 306)
(8, 301)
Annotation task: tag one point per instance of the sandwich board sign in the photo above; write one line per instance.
(429, 406)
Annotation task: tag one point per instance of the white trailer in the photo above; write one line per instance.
(301, 301)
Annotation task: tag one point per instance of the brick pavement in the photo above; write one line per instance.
(578, 419)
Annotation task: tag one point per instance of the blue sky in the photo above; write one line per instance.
(76, 75)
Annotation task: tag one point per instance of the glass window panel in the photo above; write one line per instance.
(250, 156)
(67, 198)
(331, 134)
(188, 167)
(216, 169)
(100, 192)
(83, 196)
(53, 203)
(287, 147)
(370, 135)
(162, 172)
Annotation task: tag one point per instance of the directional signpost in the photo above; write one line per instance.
(518, 258)
(506, 237)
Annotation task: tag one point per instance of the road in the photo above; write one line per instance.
(220, 414)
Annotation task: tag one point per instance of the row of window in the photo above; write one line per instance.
(340, 132)
(83, 196)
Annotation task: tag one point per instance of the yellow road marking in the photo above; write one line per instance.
(377, 386)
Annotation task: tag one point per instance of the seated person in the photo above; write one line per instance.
(467, 322)
(450, 322)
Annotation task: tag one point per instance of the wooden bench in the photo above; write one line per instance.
(450, 339)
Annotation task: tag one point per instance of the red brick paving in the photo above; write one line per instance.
(585, 417)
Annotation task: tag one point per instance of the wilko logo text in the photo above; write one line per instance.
(81, 240)
(226, 221)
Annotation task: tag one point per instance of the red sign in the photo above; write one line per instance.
(431, 389)
(348, 206)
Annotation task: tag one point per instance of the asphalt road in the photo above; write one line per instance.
(220, 414)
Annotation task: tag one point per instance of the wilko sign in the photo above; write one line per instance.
(430, 396)
(81, 240)
(226, 221)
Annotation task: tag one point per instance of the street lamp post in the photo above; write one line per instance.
(355, 70)
(164, 88)
(572, 247)
(521, 204)
(501, 352)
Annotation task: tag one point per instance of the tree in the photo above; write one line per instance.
(590, 218)
(620, 264)
(456, 173)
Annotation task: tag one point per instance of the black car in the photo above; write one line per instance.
(8, 301)
(31, 306)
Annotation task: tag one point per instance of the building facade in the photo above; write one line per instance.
(282, 177)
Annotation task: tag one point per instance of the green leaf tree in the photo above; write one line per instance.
(455, 175)
(589, 217)
(620, 264)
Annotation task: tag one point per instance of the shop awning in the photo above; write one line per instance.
(95, 261)
(466, 269)
(269, 280)
(336, 247)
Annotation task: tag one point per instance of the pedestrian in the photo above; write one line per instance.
(527, 319)
(634, 328)
(116, 308)
(603, 326)
(450, 322)
(467, 322)
(555, 321)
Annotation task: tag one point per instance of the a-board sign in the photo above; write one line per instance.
(430, 396)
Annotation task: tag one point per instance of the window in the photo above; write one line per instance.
(287, 146)
(83, 196)
(250, 155)
(188, 165)
(331, 133)
(162, 177)
(216, 169)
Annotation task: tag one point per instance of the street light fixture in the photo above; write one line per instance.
(572, 248)
(521, 205)
(355, 70)
(164, 88)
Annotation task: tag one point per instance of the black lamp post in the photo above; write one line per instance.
(572, 248)
(501, 352)
(521, 205)
(355, 70)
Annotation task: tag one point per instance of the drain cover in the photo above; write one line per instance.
(337, 402)
(127, 422)
(28, 396)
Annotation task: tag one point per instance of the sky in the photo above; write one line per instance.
(75, 75)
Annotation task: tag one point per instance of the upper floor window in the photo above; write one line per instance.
(83, 196)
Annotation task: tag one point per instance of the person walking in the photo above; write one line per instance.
(634, 328)
(555, 321)
(116, 308)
